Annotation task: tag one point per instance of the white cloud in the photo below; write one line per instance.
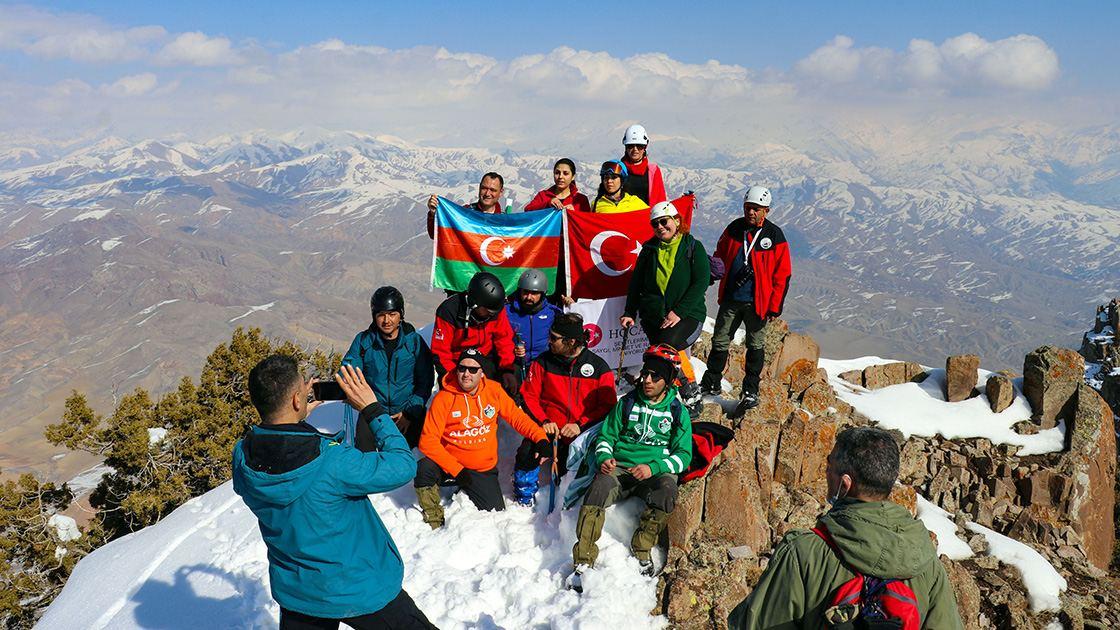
(966, 63)
(198, 49)
(132, 85)
(71, 36)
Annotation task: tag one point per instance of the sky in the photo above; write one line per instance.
(524, 73)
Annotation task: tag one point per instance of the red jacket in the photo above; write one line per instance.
(769, 260)
(576, 201)
(452, 334)
(563, 390)
(656, 189)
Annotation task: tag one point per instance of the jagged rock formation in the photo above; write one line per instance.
(1101, 348)
(771, 480)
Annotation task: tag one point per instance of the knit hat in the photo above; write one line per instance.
(470, 353)
(569, 329)
(661, 367)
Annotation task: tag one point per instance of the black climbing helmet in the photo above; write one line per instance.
(486, 290)
(386, 299)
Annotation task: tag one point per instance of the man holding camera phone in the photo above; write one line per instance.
(755, 254)
(330, 558)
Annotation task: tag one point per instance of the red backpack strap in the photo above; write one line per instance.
(822, 531)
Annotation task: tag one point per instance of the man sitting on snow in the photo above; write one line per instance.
(330, 558)
(864, 531)
(460, 438)
(645, 442)
(569, 389)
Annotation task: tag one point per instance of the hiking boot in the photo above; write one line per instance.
(747, 402)
(693, 400)
(646, 567)
(575, 579)
(431, 505)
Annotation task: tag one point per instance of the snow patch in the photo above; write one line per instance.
(921, 409)
(1044, 583)
(156, 435)
(109, 244)
(253, 309)
(64, 527)
(92, 214)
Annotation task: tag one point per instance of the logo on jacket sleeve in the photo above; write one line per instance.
(766, 243)
(665, 424)
(489, 411)
(586, 369)
(438, 334)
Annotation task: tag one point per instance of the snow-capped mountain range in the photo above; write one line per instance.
(123, 263)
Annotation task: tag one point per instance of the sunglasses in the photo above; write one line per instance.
(554, 337)
(662, 222)
(466, 369)
(650, 374)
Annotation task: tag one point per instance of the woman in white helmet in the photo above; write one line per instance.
(645, 181)
(666, 294)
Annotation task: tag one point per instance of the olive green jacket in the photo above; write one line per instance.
(877, 538)
(684, 295)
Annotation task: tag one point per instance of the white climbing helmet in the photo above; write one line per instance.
(758, 195)
(663, 209)
(635, 134)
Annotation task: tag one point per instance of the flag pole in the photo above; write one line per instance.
(567, 254)
(435, 246)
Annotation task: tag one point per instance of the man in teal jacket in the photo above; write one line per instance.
(395, 362)
(875, 536)
(330, 558)
(645, 442)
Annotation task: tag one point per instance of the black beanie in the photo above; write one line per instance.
(661, 367)
(570, 330)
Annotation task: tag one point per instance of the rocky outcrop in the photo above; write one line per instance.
(1050, 379)
(1101, 349)
(960, 377)
(885, 375)
(1000, 392)
(771, 480)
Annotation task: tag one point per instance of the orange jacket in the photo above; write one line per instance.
(461, 429)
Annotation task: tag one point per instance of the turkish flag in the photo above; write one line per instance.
(603, 248)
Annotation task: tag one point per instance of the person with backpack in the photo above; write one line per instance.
(666, 292)
(645, 442)
(752, 292)
(569, 389)
(460, 439)
(563, 194)
(865, 546)
(530, 316)
(477, 319)
(395, 361)
(330, 558)
(645, 181)
(612, 197)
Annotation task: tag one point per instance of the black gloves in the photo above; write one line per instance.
(543, 448)
(509, 383)
(464, 479)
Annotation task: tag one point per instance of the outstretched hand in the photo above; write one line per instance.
(354, 385)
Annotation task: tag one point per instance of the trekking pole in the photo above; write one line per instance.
(622, 350)
(554, 481)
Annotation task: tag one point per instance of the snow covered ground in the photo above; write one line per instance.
(921, 409)
(204, 565)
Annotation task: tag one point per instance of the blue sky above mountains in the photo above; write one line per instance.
(523, 73)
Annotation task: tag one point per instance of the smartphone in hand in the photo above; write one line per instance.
(327, 390)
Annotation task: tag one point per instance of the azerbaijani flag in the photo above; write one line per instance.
(468, 241)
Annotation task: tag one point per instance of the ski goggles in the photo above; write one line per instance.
(613, 169)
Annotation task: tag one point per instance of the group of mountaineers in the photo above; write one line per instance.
(523, 359)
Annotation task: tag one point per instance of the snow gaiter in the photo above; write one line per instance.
(649, 529)
(589, 526)
(430, 505)
(756, 358)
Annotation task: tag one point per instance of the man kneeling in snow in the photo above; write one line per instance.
(646, 441)
(866, 532)
(330, 558)
(460, 438)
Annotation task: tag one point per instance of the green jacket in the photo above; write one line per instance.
(877, 538)
(637, 432)
(684, 295)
